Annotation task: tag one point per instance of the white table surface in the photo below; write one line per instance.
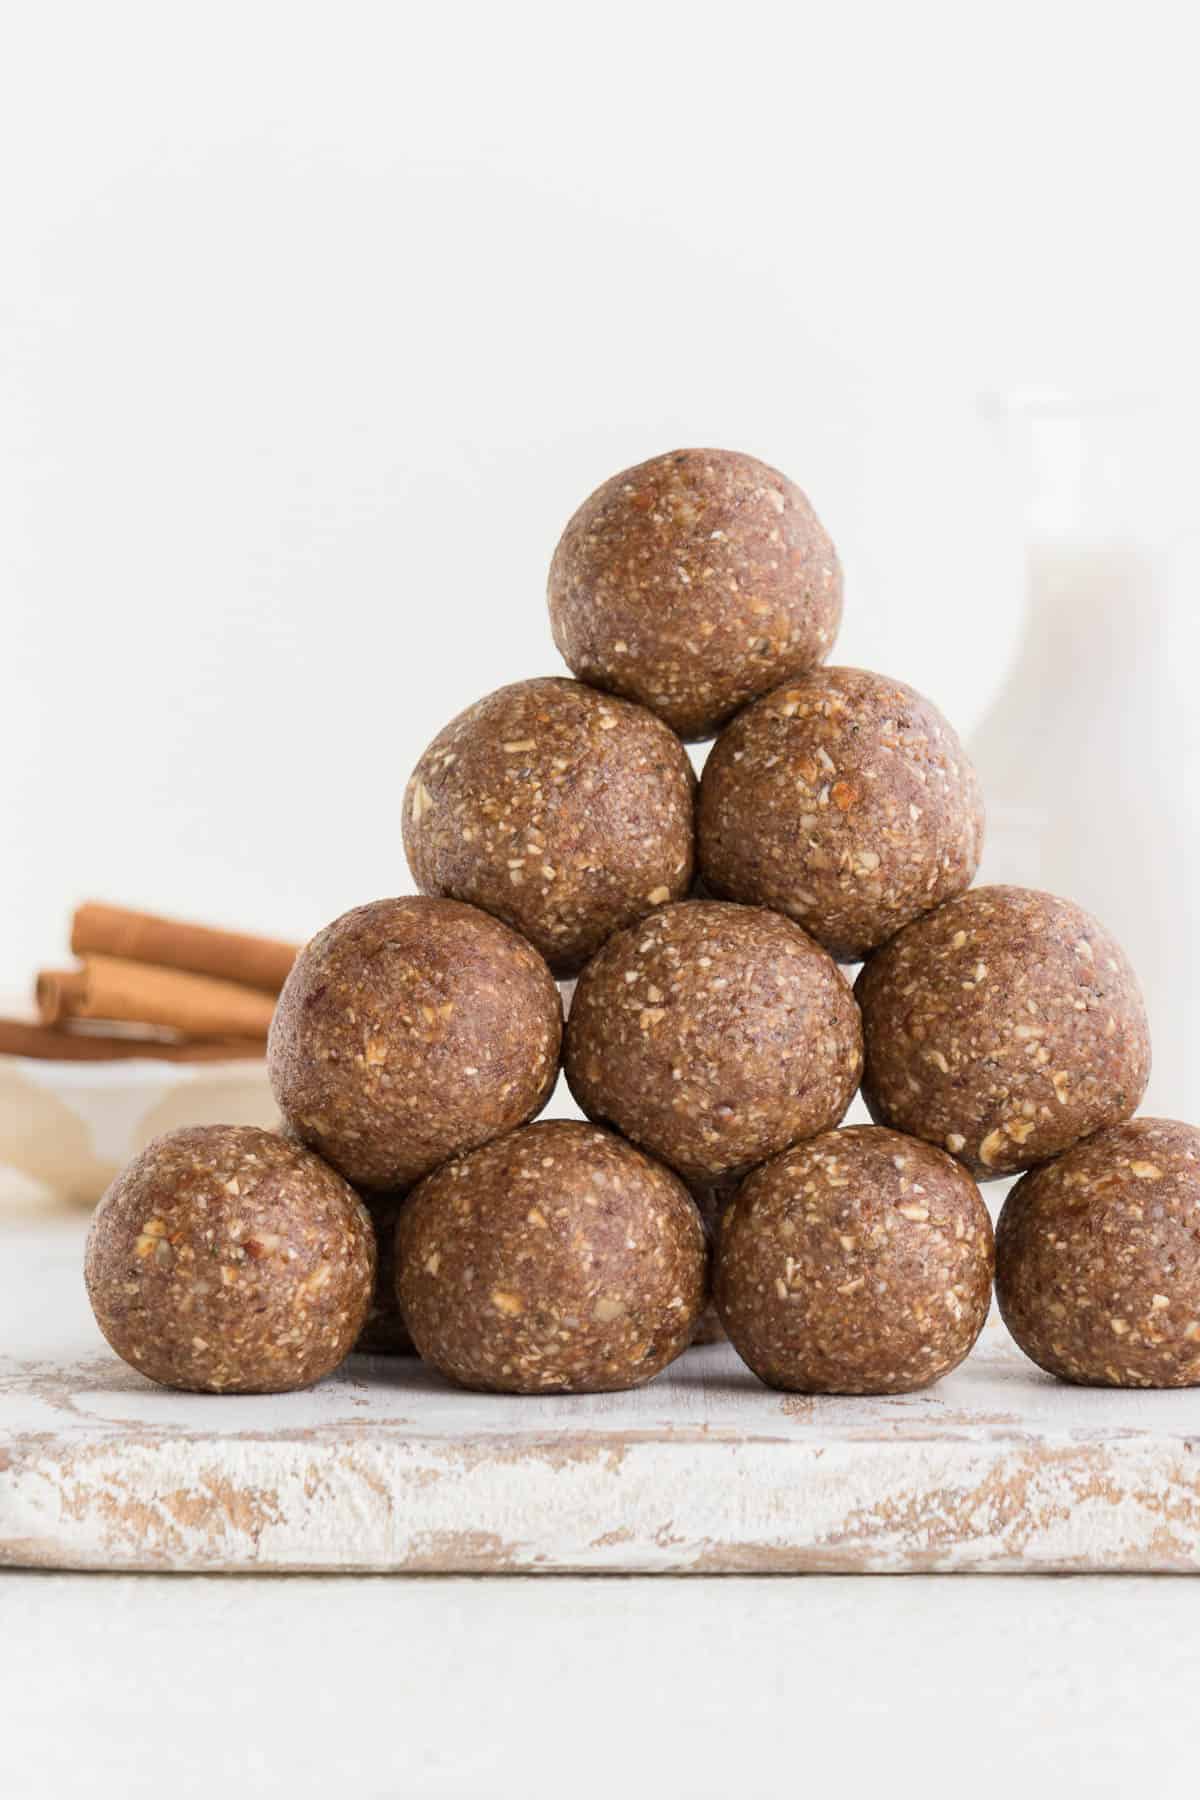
(380, 1686)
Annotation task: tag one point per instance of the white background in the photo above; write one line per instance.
(317, 322)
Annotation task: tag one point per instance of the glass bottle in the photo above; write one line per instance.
(1090, 753)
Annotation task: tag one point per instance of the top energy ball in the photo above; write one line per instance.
(694, 583)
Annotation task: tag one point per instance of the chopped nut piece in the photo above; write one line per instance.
(992, 1148)
(421, 801)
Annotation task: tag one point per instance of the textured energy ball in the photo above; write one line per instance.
(558, 1260)
(693, 583)
(410, 1030)
(714, 1036)
(1005, 1026)
(385, 1333)
(845, 800)
(858, 1263)
(563, 811)
(228, 1260)
(1098, 1259)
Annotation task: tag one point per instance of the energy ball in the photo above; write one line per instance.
(227, 1260)
(563, 811)
(858, 1263)
(558, 1260)
(408, 1031)
(714, 1036)
(845, 800)
(693, 583)
(1005, 1026)
(1098, 1259)
(385, 1333)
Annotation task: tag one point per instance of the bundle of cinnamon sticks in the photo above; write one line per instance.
(146, 986)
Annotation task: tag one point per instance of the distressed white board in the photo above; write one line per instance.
(386, 1467)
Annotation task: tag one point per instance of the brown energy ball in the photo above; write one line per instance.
(693, 583)
(410, 1030)
(845, 800)
(563, 811)
(714, 1036)
(1005, 1026)
(385, 1333)
(558, 1260)
(858, 1263)
(1098, 1259)
(228, 1260)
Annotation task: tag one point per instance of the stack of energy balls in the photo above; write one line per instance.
(556, 834)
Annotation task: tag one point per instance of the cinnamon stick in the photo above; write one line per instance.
(139, 937)
(106, 987)
(50, 1043)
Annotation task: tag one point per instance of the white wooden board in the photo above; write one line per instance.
(386, 1467)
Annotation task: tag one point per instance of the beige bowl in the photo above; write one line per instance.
(66, 1128)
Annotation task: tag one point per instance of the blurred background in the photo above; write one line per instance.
(316, 324)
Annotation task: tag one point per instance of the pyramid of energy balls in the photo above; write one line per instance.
(555, 831)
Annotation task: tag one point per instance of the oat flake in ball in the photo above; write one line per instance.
(693, 583)
(410, 1030)
(1005, 1026)
(714, 1036)
(565, 812)
(556, 1260)
(845, 800)
(858, 1263)
(1098, 1259)
(228, 1260)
